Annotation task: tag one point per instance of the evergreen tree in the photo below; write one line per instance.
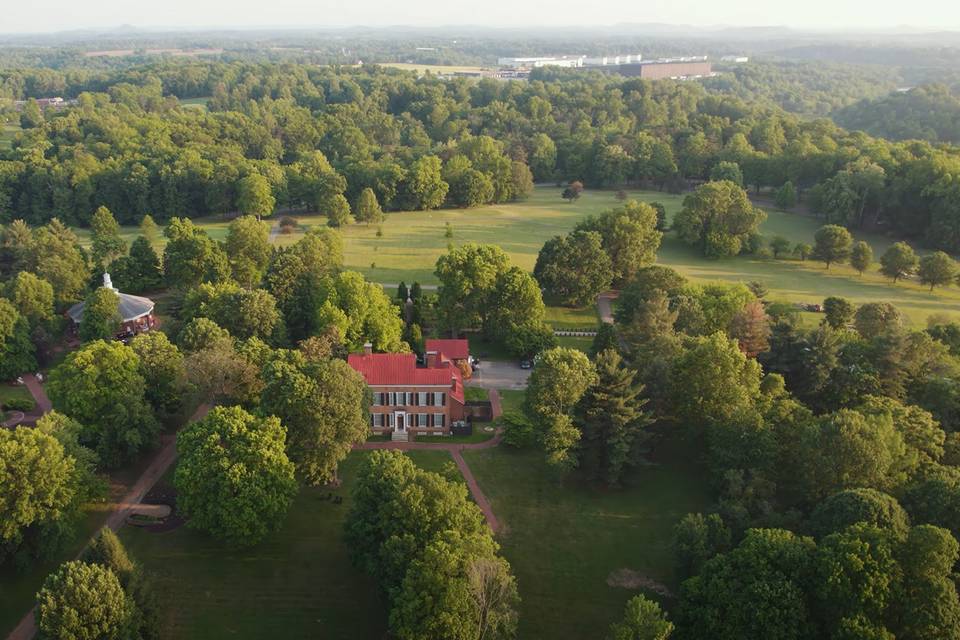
(611, 416)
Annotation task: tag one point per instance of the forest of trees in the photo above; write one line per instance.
(290, 136)
(929, 112)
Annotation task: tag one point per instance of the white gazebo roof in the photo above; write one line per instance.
(131, 307)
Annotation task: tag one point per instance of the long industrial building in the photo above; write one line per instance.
(676, 68)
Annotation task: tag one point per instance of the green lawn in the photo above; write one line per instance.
(564, 539)
(572, 318)
(13, 392)
(476, 394)
(297, 584)
(511, 399)
(412, 242)
(575, 342)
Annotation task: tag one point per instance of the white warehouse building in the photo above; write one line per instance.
(602, 61)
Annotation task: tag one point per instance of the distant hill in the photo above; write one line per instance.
(929, 112)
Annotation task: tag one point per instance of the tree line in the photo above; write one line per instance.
(316, 138)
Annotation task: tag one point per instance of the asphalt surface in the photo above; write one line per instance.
(497, 374)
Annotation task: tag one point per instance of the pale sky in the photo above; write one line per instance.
(21, 16)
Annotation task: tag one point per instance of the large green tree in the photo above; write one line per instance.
(898, 261)
(248, 249)
(713, 381)
(101, 386)
(163, 371)
(642, 620)
(234, 480)
(105, 237)
(629, 235)
(255, 196)
(82, 601)
(832, 243)
(37, 491)
(191, 256)
(324, 407)
(574, 268)
(937, 269)
(16, 349)
(717, 218)
(468, 279)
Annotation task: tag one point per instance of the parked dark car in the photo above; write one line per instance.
(526, 364)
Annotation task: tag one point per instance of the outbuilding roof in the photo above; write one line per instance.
(130, 308)
(455, 349)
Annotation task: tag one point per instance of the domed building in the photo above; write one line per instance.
(136, 312)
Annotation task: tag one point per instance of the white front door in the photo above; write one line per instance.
(400, 421)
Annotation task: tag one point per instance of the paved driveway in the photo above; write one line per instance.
(500, 375)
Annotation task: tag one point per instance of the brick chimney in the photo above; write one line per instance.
(367, 348)
(432, 359)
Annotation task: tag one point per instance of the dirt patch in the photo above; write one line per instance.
(630, 579)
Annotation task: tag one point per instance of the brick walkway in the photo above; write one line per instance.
(39, 395)
(456, 451)
(165, 457)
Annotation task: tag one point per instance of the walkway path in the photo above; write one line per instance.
(27, 628)
(274, 230)
(39, 395)
(456, 450)
(605, 306)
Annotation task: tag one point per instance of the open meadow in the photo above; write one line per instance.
(579, 552)
(299, 583)
(412, 241)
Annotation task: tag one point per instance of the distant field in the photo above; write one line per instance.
(412, 242)
(197, 103)
(564, 539)
(7, 132)
(432, 68)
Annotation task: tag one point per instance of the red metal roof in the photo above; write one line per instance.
(453, 349)
(400, 369)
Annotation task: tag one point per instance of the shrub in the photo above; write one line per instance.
(19, 404)
(518, 430)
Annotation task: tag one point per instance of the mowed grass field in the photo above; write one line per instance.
(564, 538)
(412, 242)
(299, 583)
(439, 69)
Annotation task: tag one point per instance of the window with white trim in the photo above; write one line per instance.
(439, 399)
(438, 419)
(377, 399)
(422, 420)
(422, 398)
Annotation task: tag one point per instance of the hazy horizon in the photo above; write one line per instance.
(813, 15)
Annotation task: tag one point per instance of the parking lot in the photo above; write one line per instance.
(499, 374)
